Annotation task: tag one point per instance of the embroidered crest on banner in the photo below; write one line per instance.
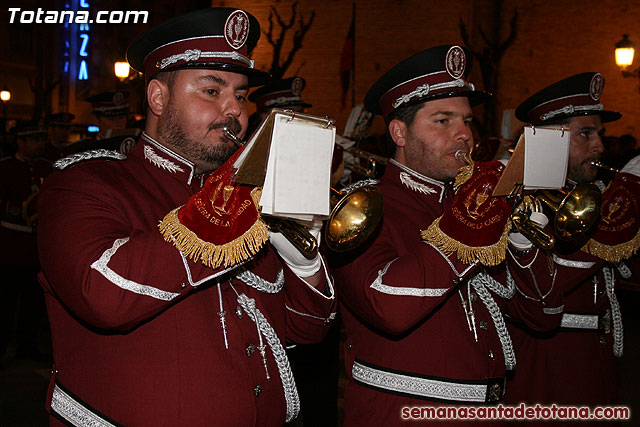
(236, 29)
(296, 86)
(455, 62)
(596, 86)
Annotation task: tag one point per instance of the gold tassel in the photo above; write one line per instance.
(463, 175)
(486, 255)
(614, 253)
(211, 255)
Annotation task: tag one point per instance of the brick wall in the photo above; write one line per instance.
(555, 39)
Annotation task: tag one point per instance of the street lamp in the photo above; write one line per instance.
(624, 56)
(121, 69)
(5, 96)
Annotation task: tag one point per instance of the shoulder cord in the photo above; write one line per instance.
(362, 183)
(624, 271)
(616, 317)
(279, 354)
(479, 283)
(260, 284)
(498, 288)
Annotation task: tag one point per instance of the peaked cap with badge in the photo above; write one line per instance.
(578, 95)
(110, 104)
(33, 128)
(61, 119)
(214, 38)
(280, 93)
(438, 72)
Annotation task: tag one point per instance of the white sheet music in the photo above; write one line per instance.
(298, 170)
(546, 155)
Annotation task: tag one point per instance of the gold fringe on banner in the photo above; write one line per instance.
(615, 253)
(486, 255)
(212, 255)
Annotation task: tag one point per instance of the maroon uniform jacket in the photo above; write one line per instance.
(146, 337)
(20, 182)
(574, 363)
(422, 328)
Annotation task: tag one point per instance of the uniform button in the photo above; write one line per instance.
(239, 312)
(349, 346)
(473, 297)
(250, 350)
(602, 340)
(257, 390)
(455, 282)
(491, 356)
(483, 325)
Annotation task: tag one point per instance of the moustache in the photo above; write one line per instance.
(231, 124)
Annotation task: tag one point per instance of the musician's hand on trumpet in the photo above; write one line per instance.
(522, 243)
(296, 260)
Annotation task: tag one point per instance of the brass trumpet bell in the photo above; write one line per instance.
(575, 213)
(354, 218)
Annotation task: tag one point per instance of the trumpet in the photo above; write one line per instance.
(574, 212)
(371, 162)
(354, 216)
(600, 165)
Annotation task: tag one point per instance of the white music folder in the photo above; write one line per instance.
(297, 175)
(546, 156)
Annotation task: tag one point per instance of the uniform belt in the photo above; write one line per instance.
(75, 412)
(16, 227)
(490, 390)
(590, 322)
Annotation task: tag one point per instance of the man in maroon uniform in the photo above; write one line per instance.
(147, 335)
(574, 364)
(21, 176)
(422, 325)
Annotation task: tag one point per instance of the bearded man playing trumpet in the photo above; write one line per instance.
(185, 324)
(574, 364)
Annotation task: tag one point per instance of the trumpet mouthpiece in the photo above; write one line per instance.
(462, 155)
(231, 136)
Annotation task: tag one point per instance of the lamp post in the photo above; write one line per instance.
(5, 96)
(121, 70)
(624, 54)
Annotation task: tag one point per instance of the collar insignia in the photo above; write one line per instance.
(160, 161)
(406, 179)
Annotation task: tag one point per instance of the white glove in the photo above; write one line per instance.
(632, 166)
(297, 262)
(519, 241)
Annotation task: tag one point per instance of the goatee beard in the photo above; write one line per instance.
(200, 152)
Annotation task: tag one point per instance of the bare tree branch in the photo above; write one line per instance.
(278, 68)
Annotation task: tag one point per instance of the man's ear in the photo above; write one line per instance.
(398, 131)
(157, 96)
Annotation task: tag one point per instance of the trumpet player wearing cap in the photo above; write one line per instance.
(165, 291)
(422, 315)
(574, 364)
